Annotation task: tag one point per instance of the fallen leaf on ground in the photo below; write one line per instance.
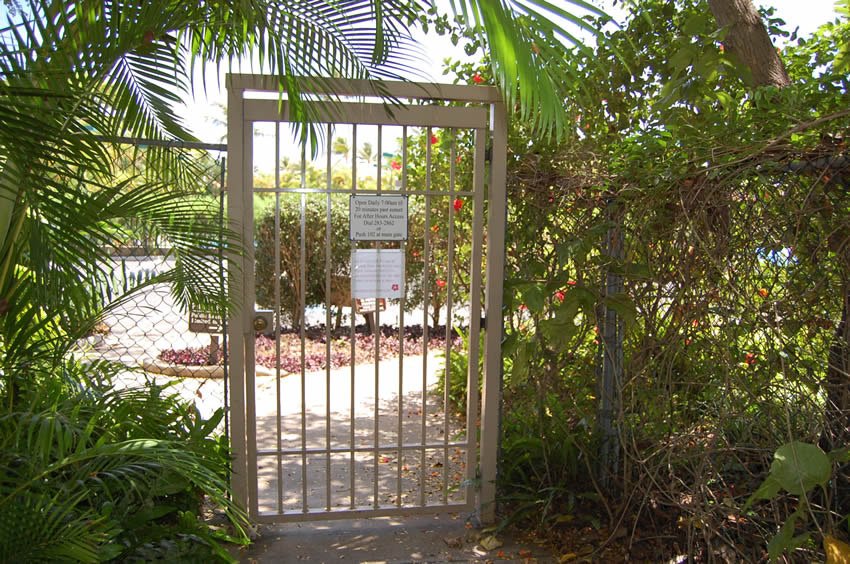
(490, 542)
(837, 552)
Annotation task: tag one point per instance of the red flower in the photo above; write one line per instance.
(763, 292)
(458, 159)
(476, 78)
(571, 283)
(523, 307)
(559, 295)
(750, 358)
(441, 283)
(396, 165)
(434, 139)
(435, 228)
(458, 203)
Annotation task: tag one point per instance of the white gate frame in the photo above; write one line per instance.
(240, 260)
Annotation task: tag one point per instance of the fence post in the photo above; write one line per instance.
(611, 375)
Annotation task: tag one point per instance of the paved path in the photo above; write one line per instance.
(394, 415)
(440, 539)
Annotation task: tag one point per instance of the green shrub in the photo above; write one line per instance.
(542, 470)
(90, 474)
(459, 371)
(315, 233)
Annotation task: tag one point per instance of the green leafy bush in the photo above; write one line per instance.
(542, 473)
(315, 215)
(733, 265)
(90, 474)
(798, 468)
(458, 370)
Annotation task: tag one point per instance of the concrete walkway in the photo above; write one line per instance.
(436, 539)
(382, 408)
(442, 538)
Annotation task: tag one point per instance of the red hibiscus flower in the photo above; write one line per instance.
(458, 203)
(441, 283)
(434, 139)
(476, 78)
(396, 165)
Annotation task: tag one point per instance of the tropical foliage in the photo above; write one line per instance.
(705, 222)
(99, 474)
(89, 473)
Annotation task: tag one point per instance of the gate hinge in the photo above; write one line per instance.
(483, 322)
(488, 154)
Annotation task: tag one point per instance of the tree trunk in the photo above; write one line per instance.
(748, 40)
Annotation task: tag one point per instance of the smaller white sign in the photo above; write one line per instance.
(377, 273)
(377, 217)
(370, 305)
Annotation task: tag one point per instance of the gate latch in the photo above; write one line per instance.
(263, 320)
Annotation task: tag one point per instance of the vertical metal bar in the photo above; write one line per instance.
(379, 151)
(450, 243)
(328, 262)
(612, 359)
(353, 333)
(276, 317)
(377, 330)
(491, 403)
(222, 287)
(303, 315)
(474, 375)
(239, 185)
(400, 430)
(425, 303)
(250, 292)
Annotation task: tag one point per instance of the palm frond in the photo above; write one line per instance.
(513, 29)
(82, 452)
(37, 529)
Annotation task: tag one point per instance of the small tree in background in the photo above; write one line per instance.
(315, 230)
(449, 151)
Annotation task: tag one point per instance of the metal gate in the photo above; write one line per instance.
(339, 421)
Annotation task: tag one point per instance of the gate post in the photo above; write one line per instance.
(491, 402)
(236, 267)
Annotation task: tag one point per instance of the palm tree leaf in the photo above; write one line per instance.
(513, 29)
(37, 529)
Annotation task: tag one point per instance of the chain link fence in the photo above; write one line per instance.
(149, 333)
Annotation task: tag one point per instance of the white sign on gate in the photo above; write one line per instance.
(378, 217)
(377, 273)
